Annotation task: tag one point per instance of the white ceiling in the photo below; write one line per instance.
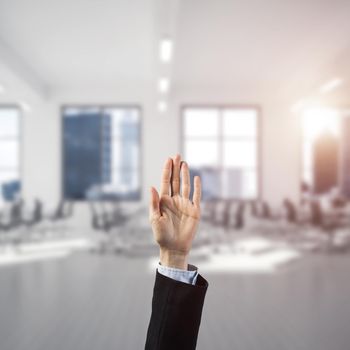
(257, 44)
(77, 42)
(260, 43)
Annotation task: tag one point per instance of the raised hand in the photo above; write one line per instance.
(173, 216)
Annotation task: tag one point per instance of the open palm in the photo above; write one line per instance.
(174, 217)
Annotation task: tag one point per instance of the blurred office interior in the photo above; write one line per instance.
(95, 95)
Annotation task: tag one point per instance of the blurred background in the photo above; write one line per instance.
(95, 95)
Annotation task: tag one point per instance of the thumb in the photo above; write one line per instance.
(154, 210)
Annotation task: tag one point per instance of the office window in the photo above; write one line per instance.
(101, 151)
(221, 146)
(9, 153)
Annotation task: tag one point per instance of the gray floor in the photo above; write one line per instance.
(91, 302)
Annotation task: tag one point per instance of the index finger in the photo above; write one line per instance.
(166, 175)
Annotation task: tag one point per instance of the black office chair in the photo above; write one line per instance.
(11, 222)
(289, 211)
(63, 210)
(61, 214)
(239, 216)
(36, 216)
(100, 219)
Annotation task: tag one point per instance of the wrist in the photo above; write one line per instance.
(173, 258)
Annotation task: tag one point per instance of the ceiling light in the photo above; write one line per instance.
(331, 85)
(166, 49)
(162, 106)
(2, 89)
(163, 85)
(25, 106)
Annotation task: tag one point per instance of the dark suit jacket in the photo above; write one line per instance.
(176, 314)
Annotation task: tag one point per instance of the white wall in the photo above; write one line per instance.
(41, 153)
(281, 153)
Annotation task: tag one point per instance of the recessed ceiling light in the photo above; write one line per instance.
(163, 85)
(331, 85)
(166, 50)
(162, 106)
(25, 106)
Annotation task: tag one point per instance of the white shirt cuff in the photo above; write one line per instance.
(187, 276)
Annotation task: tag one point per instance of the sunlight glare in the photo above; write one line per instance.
(318, 120)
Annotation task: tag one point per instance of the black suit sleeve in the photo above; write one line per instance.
(176, 314)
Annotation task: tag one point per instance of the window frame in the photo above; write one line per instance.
(19, 138)
(221, 107)
(102, 106)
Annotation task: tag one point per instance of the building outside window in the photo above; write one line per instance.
(325, 151)
(101, 152)
(221, 145)
(10, 182)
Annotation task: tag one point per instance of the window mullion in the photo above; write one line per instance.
(221, 151)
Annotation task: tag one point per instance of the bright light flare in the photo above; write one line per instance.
(319, 120)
